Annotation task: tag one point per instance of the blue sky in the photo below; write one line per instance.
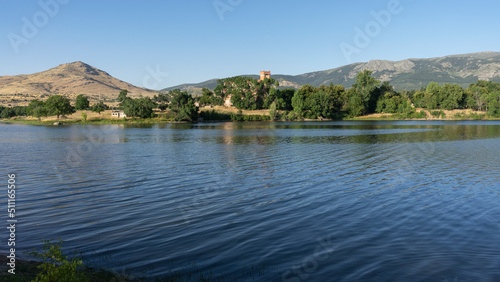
(157, 44)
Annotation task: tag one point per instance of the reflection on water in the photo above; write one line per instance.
(392, 200)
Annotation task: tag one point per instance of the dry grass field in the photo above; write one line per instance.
(77, 116)
(449, 114)
(233, 110)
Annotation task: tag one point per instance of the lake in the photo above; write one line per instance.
(292, 201)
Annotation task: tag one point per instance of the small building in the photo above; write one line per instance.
(264, 75)
(118, 114)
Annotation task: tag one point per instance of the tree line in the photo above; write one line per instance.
(366, 96)
(179, 102)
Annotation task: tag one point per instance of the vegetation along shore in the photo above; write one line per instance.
(248, 99)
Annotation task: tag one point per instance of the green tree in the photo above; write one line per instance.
(99, 107)
(476, 97)
(452, 96)
(298, 103)
(272, 111)
(182, 105)
(59, 105)
(321, 104)
(140, 107)
(206, 97)
(8, 112)
(82, 103)
(56, 266)
(162, 100)
(355, 105)
(122, 96)
(493, 104)
(37, 109)
(417, 99)
(433, 98)
(430, 101)
(366, 87)
(245, 92)
(285, 99)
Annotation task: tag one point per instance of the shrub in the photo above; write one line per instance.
(56, 266)
(292, 115)
(475, 116)
(420, 114)
(438, 114)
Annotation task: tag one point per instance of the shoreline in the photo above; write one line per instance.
(430, 115)
(27, 270)
(139, 122)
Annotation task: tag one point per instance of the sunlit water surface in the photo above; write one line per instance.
(343, 201)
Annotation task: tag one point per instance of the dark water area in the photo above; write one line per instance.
(292, 201)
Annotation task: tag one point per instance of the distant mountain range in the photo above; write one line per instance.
(408, 74)
(68, 79)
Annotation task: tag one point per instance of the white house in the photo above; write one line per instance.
(118, 114)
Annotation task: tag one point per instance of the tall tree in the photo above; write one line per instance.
(272, 110)
(162, 100)
(366, 86)
(122, 96)
(82, 103)
(99, 107)
(183, 105)
(298, 103)
(59, 105)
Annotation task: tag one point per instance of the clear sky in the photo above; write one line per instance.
(157, 44)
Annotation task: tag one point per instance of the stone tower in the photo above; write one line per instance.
(264, 75)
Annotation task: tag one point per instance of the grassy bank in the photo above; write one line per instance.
(232, 114)
(422, 114)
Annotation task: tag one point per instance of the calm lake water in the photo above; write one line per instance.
(336, 201)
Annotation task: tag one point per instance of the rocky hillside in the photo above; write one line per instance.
(69, 80)
(407, 74)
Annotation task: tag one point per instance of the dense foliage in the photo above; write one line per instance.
(99, 107)
(82, 103)
(162, 101)
(58, 105)
(366, 96)
(139, 107)
(182, 104)
(208, 98)
(8, 112)
(245, 92)
(57, 266)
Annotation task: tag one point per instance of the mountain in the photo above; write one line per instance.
(407, 74)
(67, 79)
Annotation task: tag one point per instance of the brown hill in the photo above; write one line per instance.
(68, 80)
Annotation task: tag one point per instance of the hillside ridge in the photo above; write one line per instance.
(410, 74)
(68, 79)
